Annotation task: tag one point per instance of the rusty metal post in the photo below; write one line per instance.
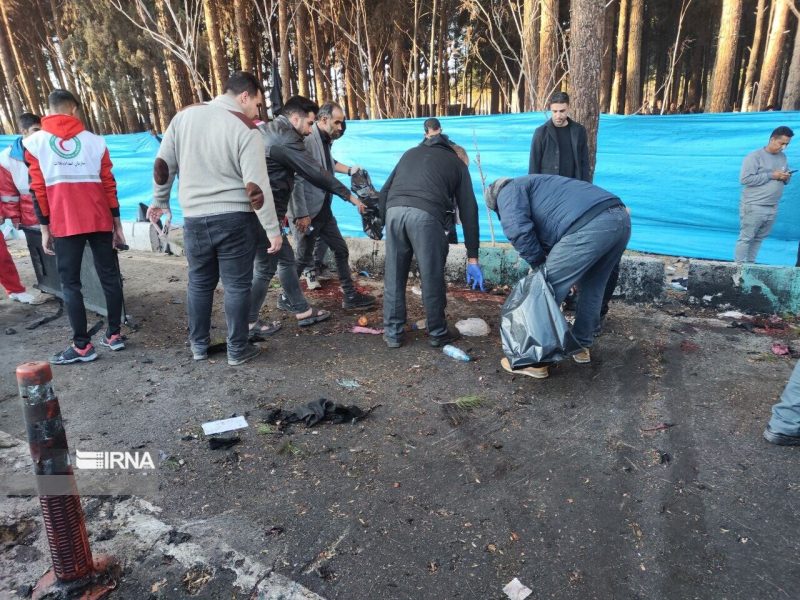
(74, 574)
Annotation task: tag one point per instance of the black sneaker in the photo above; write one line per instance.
(451, 336)
(781, 439)
(250, 352)
(115, 342)
(358, 300)
(74, 354)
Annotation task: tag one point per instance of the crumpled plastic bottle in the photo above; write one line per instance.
(456, 353)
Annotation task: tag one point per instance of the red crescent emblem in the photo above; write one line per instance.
(61, 145)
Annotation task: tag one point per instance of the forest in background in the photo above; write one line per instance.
(134, 63)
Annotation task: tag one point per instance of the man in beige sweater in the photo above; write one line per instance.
(225, 197)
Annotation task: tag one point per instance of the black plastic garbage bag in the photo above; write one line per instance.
(532, 327)
(361, 186)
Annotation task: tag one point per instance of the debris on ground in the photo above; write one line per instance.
(457, 353)
(218, 442)
(10, 331)
(39, 322)
(224, 425)
(680, 283)
(350, 384)
(368, 330)
(659, 427)
(689, 346)
(316, 412)
(515, 590)
(473, 327)
(363, 321)
(416, 290)
(781, 349)
(732, 314)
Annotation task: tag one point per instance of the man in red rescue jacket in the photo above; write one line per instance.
(16, 204)
(75, 198)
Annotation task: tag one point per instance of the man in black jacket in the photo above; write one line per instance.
(416, 203)
(559, 147)
(286, 158)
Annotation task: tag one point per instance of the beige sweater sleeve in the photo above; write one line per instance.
(256, 182)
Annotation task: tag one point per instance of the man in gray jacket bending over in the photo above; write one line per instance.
(225, 196)
(315, 203)
(576, 230)
(764, 175)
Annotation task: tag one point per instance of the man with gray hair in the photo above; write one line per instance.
(315, 203)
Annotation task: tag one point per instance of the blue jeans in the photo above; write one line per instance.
(587, 257)
(220, 247)
(786, 413)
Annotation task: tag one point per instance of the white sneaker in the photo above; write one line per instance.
(311, 280)
(23, 297)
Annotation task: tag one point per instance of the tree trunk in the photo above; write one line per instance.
(283, 37)
(608, 53)
(301, 47)
(166, 110)
(791, 96)
(443, 73)
(431, 105)
(586, 57)
(28, 86)
(618, 86)
(397, 74)
(320, 65)
(10, 72)
(633, 70)
(178, 83)
(244, 35)
(726, 55)
(219, 69)
(755, 53)
(415, 62)
(548, 50)
(530, 52)
(772, 55)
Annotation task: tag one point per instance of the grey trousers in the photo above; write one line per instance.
(587, 257)
(755, 223)
(786, 413)
(220, 247)
(326, 231)
(264, 268)
(414, 232)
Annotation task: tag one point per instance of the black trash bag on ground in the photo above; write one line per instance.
(316, 412)
(361, 186)
(532, 327)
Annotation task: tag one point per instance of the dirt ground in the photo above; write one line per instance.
(573, 484)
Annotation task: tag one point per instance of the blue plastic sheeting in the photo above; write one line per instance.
(679, 174)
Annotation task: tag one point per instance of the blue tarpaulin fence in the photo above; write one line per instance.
(679, 174)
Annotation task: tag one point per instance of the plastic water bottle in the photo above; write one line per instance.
(456, 353)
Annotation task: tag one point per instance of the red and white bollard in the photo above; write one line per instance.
(75, 574)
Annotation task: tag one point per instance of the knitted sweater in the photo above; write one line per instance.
(218, 154)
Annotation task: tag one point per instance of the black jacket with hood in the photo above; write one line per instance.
(544, 158)
(428, 177)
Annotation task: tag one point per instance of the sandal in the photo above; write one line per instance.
(317, 316)
(260, 329)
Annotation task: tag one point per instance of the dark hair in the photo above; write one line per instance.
(326, 110)
(558, 98)
(782, 130)
(27, 120)
(242, 81)
(59, 99)
(299, 105)
(432, 123)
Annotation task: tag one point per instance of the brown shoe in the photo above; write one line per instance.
(583, 357)
(535, 372)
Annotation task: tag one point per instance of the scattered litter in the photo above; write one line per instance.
(473, 327)
(363, 321)
(178, 537)
(421, 324)
(348, 383)
(689, 346)
(746, 325)
(680, 283)
(188, 437)
(670, 269)
(457, 353)
(274, 530)
(732, 314)
(416, 290)
(369, 330)
(659, 427)
(43, 320)
(708, 298)
(780, 349)
(224, 425)
(10, 331)
(316, 412)
(364, 273)
(515, 590)
(221, 442)
(664, 458)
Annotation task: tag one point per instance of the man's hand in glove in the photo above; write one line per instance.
(474, 274)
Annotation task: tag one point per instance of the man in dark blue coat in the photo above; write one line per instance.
(577, 230)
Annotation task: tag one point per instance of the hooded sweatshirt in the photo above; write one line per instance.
(15, 198)
(73, 189)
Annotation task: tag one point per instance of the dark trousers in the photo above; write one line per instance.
(414, 232)
(326, 229)
(220, 247)
(264, 269)
(69, 256)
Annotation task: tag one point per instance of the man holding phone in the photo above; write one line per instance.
(764, 174)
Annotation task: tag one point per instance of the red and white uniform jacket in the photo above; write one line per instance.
(71, 182)
(15, 197)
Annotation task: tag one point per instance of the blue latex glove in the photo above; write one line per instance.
(475, 276)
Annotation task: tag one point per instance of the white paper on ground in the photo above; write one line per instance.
(516, 591)
(224, 425)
